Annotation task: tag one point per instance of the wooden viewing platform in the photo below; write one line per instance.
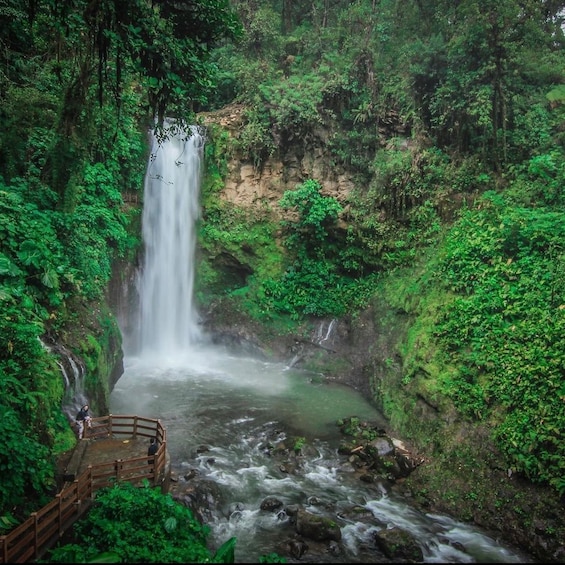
(114, 449)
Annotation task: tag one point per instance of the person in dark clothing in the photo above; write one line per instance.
(151, 450)
(83, 419)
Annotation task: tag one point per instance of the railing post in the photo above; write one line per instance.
(78, 498)
(110, 426)
(35, 534)
(90, 482)
(59, 513)
(118, 468)
(134, 435)
(4, 548)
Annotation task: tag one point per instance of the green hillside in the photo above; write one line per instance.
(448, 116)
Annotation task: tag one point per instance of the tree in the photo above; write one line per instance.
(80, 82)
(102, 51)
(492, 54)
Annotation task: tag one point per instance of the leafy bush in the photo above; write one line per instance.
(130, 524)
(139, 525)
(504, 330)
(316, 214)
(24, 461)
(321, 278)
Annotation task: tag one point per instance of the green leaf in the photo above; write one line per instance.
(7, 268)
(226, 552)
(106, 557)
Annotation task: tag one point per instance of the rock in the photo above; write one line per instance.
(297, 548)
(398, 545)
(271, 504)
(317, 527)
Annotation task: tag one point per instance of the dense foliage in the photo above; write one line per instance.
(428, 106)
(316, 281)
(506, 265)
(129, 524)
(448, 117)
(80, 83)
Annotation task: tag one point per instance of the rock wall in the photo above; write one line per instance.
(251, 187)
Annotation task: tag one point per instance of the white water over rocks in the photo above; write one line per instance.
(221, 409)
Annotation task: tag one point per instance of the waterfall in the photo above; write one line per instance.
(73, 372)
(323, 334)
(168, 320)
(241, 408)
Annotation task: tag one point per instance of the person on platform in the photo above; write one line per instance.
(83, 420)
(151, 450)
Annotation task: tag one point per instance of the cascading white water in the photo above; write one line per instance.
(73, 373)
(168, 318)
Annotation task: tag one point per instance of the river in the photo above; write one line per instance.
(235, 405)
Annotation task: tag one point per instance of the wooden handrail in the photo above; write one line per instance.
(33, 538)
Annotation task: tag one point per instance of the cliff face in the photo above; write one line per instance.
(463, 473)
(97, 342)
(348, 353)
(250, 187)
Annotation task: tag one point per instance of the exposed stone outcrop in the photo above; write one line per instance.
(89, 353)
(251, 187)
(374, 454)
(318, 528)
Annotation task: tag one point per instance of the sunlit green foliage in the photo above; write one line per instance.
(139, 525)
(426, 108)
(246, 241)
(130, 524)
(315, 281)
(504, 329)
(317, 215)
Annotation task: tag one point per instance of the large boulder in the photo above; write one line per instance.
(316, 527)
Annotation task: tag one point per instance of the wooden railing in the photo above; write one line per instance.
(30, 540)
